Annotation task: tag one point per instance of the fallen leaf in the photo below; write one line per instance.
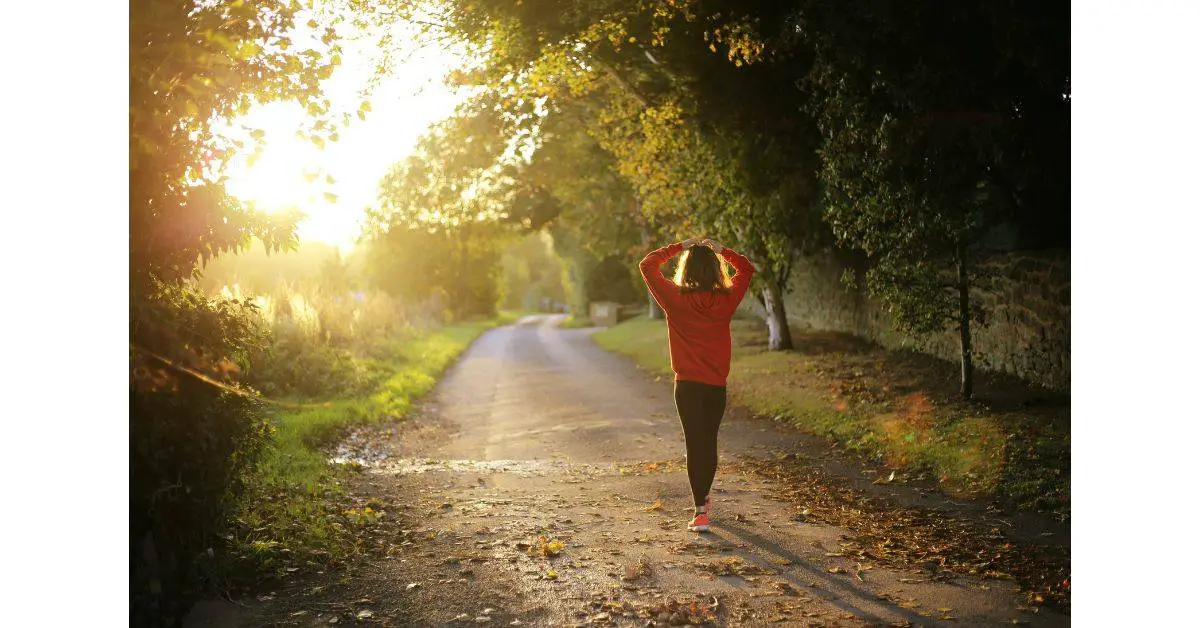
(785, 588)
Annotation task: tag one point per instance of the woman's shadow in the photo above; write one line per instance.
(800, 573)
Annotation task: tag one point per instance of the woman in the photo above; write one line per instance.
(699, 304)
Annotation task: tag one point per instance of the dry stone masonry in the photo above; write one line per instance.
(1026, 295)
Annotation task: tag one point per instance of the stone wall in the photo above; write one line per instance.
(1027, 300)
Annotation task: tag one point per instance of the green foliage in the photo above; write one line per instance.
(454, 269)
(908, 129)
(597, 213)
(189, 66)
(578, 263)
(336, 274)
(312, 332)
(193, 64)
(530, 273)
(188, 454)
(921, 157)
(296, 366)
(640, 79)
(596, 209)
(190, 444)
(612, 280)
(438, 230)
(927, 140)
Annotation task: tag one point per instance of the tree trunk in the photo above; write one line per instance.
(462, 305)
(655, 312)
(964, 324)
(779, 335)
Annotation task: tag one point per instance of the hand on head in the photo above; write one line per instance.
(709, 242)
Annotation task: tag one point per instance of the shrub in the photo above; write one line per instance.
(297, 366)
(191, 442)
(315, 333)
(189, 451)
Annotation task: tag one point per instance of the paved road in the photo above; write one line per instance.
(537, 432)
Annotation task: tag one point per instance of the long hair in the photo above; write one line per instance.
(700, 270)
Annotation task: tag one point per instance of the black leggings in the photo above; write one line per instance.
(701, 407)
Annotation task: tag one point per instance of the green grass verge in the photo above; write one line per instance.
(295, 457)
(889, 406)
(294, 514)
(640, 338)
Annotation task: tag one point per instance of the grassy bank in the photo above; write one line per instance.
(410, 370)
(296, 515)
(1012, 443)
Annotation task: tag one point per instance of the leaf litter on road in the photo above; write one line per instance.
(883, 532)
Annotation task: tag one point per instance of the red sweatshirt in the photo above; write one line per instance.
(697, 322)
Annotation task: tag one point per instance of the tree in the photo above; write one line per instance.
(439, 225)
(594, 213)
(455, 267)
(744, 169)
(770, 215)
(192, 64)
(652, 88)
(949, 122)
(532, 273)
(611, 280)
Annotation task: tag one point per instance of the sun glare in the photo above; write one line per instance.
(335, 184)
(277, 180)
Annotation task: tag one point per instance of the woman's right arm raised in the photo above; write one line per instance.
(662, 289)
